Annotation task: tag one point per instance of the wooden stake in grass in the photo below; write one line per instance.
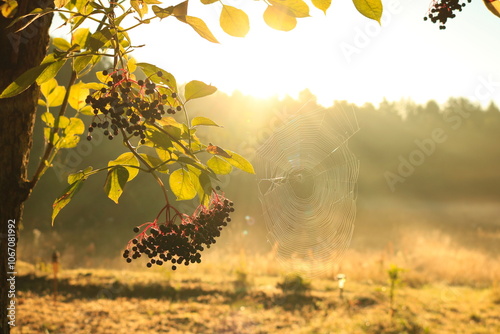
(341, 278)
(55, 269)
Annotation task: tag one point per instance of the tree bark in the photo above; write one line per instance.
(18, 52)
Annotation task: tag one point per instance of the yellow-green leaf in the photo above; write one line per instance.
(77, 95)
(163, 12)
(322, 4)
(61, 122)
(50, 71)
(279, 18)
(200, 27)
(49, 119)
(81, 63)
(68, 141)
(219, 166)
(24, 81)
(155, 162)
(9, 8)
(82, 174)
(47, 87)
(140, 7)
(66, 197)
(297, 8)
(115, 182)
(56, 97)
(181, 184)
(372, 9)
(180, 10)
(75, 127)
(61, 43)
(239, 162)
(201, 183)
(203, 121)
(127, 158)
(60, 3)
(49, 136)
(196, 89)
(166, 78)
(234, 21)
(80, 36)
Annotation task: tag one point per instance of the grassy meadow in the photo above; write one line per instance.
(449, 283)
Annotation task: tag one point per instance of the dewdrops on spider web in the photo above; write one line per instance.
(307, 186)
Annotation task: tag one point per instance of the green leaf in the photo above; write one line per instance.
(234, 21)
(279, 18)
(181, 184)
(239, 162)
(200, 27)
(163, 12)
(296, 8)
(322, 4)
(372, 9)
(82, 174)
(61, 43)
(23, 81)
(66, 197)
(203, 121)
(196, 89)
(127, 158)
(115, 182)
(219, 166)
(151, 72)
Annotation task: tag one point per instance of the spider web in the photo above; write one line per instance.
(307, 186)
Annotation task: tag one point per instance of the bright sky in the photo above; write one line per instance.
(340, 56)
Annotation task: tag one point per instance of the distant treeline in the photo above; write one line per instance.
(432, 152)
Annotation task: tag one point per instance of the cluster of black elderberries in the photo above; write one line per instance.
(181, 243)
(442, 10)
(128, 104)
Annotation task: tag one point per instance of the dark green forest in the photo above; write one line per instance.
(407, 152)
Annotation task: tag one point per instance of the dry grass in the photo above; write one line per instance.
(451, 284)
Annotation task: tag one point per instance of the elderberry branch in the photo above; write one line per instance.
(50, 149)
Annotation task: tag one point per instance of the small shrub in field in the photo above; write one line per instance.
(241, 283)
(294, 284)
(394, 273)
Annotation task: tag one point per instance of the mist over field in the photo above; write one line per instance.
(427, 204)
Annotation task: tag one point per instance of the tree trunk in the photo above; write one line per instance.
(18, 52)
